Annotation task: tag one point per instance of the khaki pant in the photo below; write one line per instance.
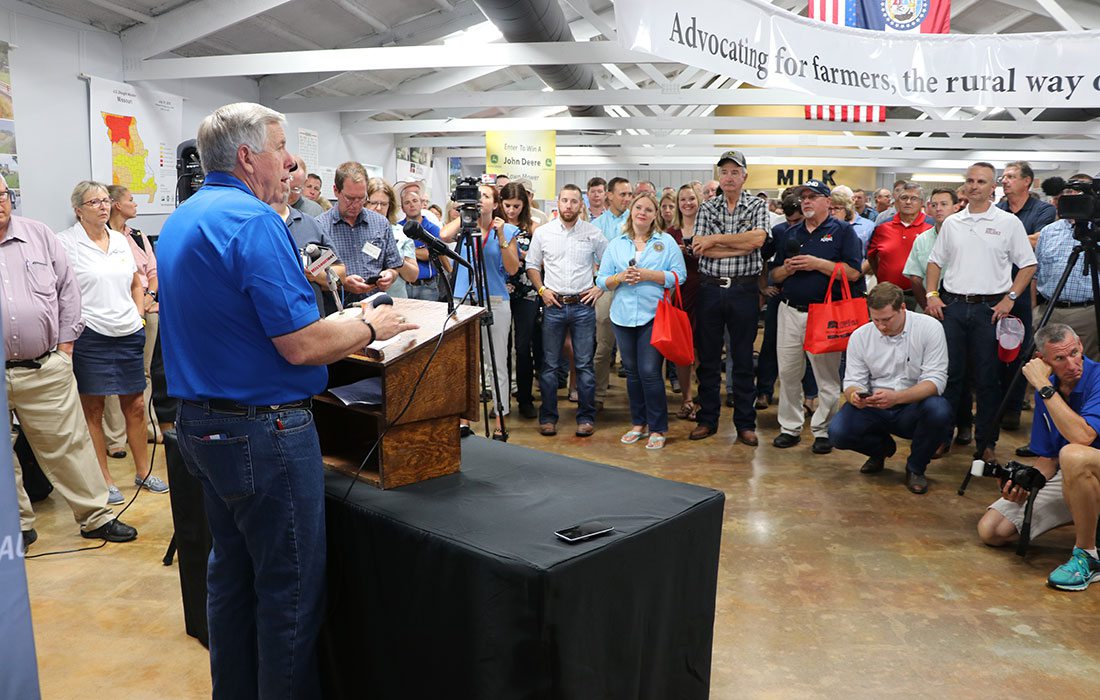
(792, 365)
(1082, 320)
(46, 402)
(114, 423)
(605, 341)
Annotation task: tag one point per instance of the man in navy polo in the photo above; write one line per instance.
(803, 266)
(245, 349)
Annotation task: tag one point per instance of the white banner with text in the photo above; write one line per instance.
(765, 46)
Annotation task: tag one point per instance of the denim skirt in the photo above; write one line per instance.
(106, 366)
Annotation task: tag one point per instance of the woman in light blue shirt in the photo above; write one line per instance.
(500, 259)
(639, 266)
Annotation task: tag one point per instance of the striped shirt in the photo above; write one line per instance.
(715, 217)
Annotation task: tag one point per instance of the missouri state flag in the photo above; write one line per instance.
(919, 16)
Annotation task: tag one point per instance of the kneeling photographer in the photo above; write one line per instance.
(1064, 436)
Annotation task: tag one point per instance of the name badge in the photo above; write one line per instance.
(371, 250)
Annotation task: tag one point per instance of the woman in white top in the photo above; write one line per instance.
(108, 355)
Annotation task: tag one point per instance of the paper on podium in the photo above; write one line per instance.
(377, 349)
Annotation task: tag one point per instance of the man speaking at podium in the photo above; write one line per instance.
(244, 350)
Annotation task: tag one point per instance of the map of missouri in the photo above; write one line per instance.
(128, 166)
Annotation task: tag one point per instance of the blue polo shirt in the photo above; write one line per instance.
(1034, 215)
(426, 270)
(230, 280)
(610, 225)
(636, 304)
(834, 240)
(494, 263)
(1046, 441)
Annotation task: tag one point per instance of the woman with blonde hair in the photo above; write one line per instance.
(108, 355)
(639, 266)
(688, 198)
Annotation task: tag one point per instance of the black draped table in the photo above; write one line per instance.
(457, 588)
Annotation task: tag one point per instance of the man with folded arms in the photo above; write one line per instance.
(893, 381)
(561, 263)
(729, 232)
(42, 319)
(978, 247)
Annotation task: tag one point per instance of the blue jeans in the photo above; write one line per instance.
(263, 486)
(927, 423)
(972, 347)
(429, 291)
(579, 320)
(645, 387)
(720, 311)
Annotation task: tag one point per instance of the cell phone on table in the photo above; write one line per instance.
(864, 394)
(584, 531)
(373, 279)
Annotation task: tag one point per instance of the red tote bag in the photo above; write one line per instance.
(829, 325)
(672, 328)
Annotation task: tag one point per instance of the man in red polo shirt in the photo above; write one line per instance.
(892, 240)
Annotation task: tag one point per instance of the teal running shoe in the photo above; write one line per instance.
(1077, 573)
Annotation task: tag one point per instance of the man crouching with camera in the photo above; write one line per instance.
(1064, 435)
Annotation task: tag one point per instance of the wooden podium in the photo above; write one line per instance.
(423, 442)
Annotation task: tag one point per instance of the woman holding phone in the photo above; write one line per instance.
(639, 266)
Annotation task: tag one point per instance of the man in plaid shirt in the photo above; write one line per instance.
(729, 231)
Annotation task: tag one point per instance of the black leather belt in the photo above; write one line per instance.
(36, 363)
(568, 298)
(972, 298)
(727, 282)
(1062, 304)
(420, 283)
(227, 406)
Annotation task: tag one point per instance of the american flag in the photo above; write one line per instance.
(920, 16)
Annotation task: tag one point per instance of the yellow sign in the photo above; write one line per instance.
(775, 178)
(524, 154)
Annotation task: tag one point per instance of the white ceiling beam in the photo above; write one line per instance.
(124, 11)
(1059, 15)
(1085, 145)
(584, 9)
(355, 10)
(391, 57)
(186, 24)
(960, 6)
(444, 5)
(644, 154)
(795, 124)
(671, 161)
(281, 30)
(1085, 13)
(537, 98)
(422, 30)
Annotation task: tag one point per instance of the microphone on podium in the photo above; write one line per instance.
(416, 232)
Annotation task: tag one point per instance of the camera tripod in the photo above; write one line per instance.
(471, 245)
(1087, 245)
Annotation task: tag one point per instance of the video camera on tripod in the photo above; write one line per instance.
(467, 199)
(1082, 207)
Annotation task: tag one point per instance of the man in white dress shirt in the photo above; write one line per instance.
(561, 264)
(896, 373)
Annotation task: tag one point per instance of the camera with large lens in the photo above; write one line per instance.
(1025, 476)
(1082, 207)
(467, 199)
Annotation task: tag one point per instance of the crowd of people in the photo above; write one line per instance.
(954, 282)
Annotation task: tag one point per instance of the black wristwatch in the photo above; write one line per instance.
(1047, 392)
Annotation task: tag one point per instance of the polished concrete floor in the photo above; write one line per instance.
(832, 584)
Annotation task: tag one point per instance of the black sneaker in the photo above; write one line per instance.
(822, 446)
(785, 440)
(964, 436)
(1025, 451)
(29, 538)
(527, 410)
(112, 531)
